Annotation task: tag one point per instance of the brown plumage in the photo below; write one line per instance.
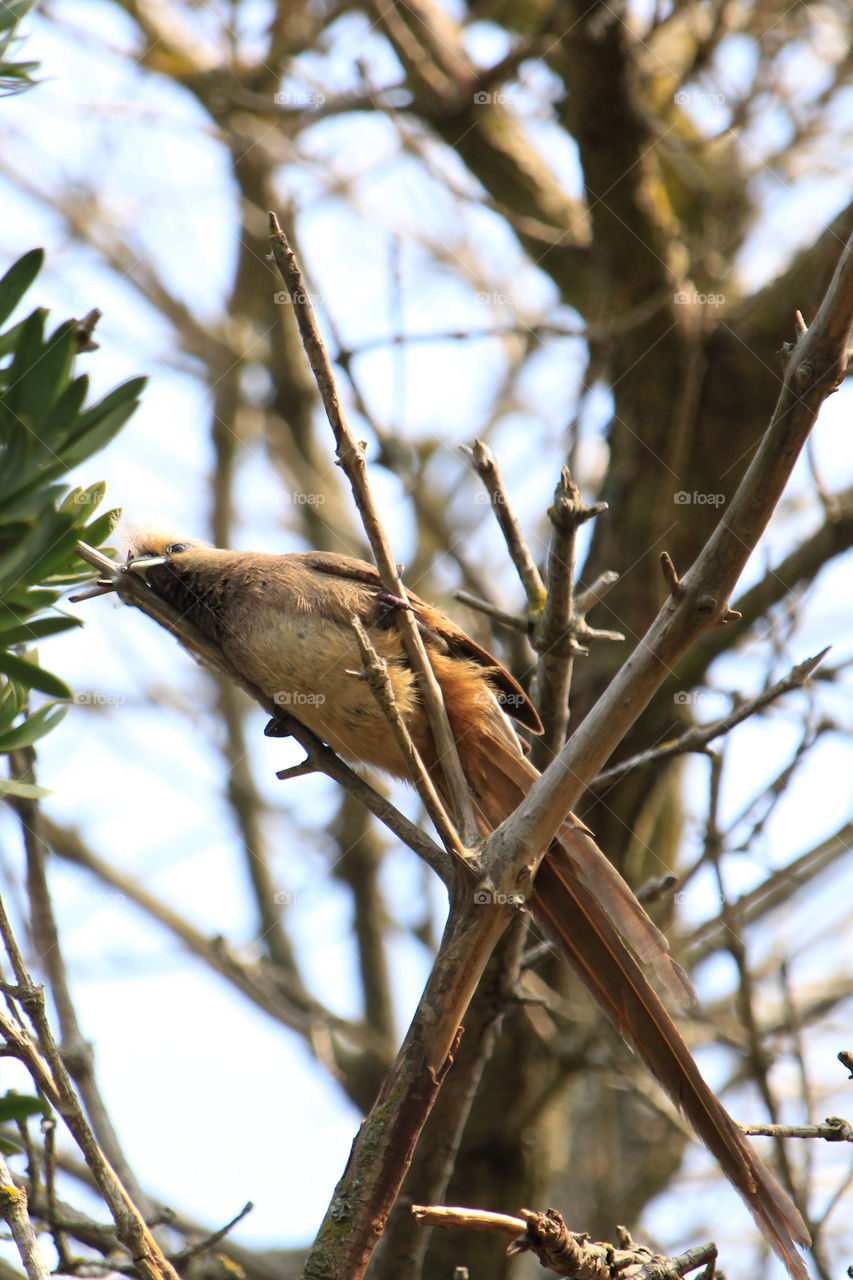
(284, 622)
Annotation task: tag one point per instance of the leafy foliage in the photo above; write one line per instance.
(14, 76)
(17, 1108)
(44, 432)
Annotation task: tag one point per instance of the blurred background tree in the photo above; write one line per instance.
(579, 232)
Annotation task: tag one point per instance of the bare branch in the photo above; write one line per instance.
(376, 673)
(77, 1052)
(565, 1252)
(814, 369)
(555, 632)
(351, 457)
(13, 1207)
(485, 464)
(833, 1129)
(697, 738)
(50, 1076)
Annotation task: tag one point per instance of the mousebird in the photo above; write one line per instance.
(283, 621)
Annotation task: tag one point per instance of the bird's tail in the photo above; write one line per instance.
(587, 909)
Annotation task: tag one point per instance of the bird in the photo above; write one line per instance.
(284, 623)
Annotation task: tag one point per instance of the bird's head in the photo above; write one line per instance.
(147, 546)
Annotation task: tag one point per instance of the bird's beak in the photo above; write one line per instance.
(142, 563)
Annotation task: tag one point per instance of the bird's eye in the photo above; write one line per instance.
(176, 547)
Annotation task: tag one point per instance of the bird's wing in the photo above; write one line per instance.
(437, 628)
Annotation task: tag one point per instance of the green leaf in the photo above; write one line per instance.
(24, 367)
(38, 629)
(17, 281)
(48, 544)
(19, 1106)
(26, 790)
(118, 397)
(22, 602)
(90, 498)
(67, 409)
(20, 449)
(14, 76)
(99, 529)
(33, 728)
(8, 342)
(102, 424)
(45, 430)
(40, 373)
(50, 378)
(12, 702)
(33, 676)
(11, 13)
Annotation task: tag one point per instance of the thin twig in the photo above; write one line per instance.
(492, 611)
(185, 1255)
(596, 591)
(51, 1076)
(439, 1215)
(756, 1056)
(351, 457)
(13, 1207)
(554, 637)
(485, 464)
(568, 1253)
(815, 368)
(698, 737)
(773, 892)
(77, 1052)
(376, 672)
(833, 1129)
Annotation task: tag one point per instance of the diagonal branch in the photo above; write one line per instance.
(351, 458)
(815, 368)
(698, 737)
(382, 1150)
